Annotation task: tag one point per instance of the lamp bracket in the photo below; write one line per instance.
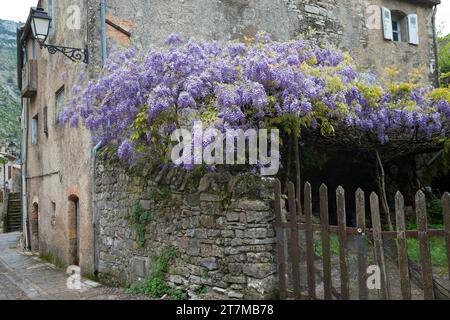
(74, 54)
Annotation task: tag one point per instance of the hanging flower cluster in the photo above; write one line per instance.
(138, 98)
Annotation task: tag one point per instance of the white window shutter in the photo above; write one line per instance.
(413, 29)
(387, 23)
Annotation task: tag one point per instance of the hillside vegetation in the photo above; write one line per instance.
(9, 95)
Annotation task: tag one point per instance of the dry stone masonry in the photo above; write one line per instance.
(221, 226)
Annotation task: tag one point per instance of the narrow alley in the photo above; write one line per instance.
(26, 277)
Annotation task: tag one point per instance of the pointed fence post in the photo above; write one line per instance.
(295, 247)
(378, 244)
(342, 227)
(281, 263)
(310, 255)
(326, 255)
(402, 247)
(446, 213)
(425, 257)
(362, 246)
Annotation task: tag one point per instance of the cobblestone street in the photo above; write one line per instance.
(26, 277)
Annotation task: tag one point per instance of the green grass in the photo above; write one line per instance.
(437, 251)
(334, 245)
(437, 247)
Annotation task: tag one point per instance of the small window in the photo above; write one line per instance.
(9, 172)
(396, 31)
(46, 120)
(34, 130)
(60, 97)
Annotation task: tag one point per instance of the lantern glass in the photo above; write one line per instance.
(12, 148)
(40, 24)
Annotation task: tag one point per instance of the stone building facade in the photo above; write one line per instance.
(57, 158)
(59, 193)
(356, 26)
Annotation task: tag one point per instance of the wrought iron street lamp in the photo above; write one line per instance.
(40, 26)
(12, 148)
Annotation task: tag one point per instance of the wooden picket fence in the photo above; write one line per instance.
(289, 246)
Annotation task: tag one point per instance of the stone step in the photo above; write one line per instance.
(15, 224)
(15, 218)
(11, 218)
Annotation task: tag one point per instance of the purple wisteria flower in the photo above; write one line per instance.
(237, 85)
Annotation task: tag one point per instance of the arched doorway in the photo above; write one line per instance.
(74, 230)
(34, 223)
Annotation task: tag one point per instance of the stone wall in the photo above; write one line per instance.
(341, 23)
(221, 226)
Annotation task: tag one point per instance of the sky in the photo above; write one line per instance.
(443, 16)
(17, 10)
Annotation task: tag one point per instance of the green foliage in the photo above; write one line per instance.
(205, 273)
(200, 290)
(437, 244)
(160, 194)
(139, 218)
(437, 250)
(9, 94)
(444, 54)
(334, 245)
(434, 209)
(155, 285)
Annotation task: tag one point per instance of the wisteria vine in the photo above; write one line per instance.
(138, 99)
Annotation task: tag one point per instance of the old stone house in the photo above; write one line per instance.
(72, 199)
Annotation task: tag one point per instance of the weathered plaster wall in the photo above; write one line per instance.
(59, 165)
(221, 225)
(377, 53)
(338, 22)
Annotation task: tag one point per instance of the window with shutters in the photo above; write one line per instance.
(400, 27)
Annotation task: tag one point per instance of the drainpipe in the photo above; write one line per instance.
(436, 50)
(24, 175)
(94, 207)
(103, 28)
(98, 146)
